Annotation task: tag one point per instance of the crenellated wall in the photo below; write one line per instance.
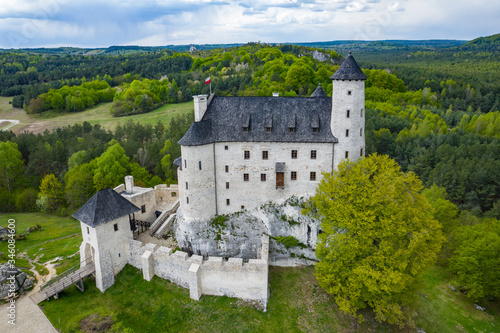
(215, 276)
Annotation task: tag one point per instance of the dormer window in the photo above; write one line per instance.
(246, 123)
(269, 123)
(315, 124)
(291, 124)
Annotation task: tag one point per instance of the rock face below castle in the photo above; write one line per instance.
(292, 235)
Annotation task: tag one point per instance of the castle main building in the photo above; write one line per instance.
(241, 152)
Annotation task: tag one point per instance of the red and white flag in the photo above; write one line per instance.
(207, 80)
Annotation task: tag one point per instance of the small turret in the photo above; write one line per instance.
(348, 111)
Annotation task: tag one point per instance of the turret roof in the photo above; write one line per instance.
(319, 92)
(349, 70)
(105, 206)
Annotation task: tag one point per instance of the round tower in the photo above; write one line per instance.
(348, 111)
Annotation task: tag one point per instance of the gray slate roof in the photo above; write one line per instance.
(105, 206)
(226, 117)
(319, 92)
(349, 70)
(178, 161)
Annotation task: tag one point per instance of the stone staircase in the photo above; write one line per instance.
(161, 225)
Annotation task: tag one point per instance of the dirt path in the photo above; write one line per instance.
(29, 317)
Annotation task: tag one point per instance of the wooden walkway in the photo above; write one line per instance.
(63, 281)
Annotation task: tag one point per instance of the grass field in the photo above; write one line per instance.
(59, 237)
(296, 304)
(96, 115)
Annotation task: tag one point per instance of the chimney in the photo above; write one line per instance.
(200, 106)
(129, 184)
(276, 94)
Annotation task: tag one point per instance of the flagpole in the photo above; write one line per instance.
(210, 86)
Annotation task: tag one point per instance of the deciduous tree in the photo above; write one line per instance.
(11, 165)
(378, 235)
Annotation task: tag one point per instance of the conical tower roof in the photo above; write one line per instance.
(105, 206)
(319, 92)
(349, 70)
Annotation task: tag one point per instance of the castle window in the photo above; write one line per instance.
(312, 176)
(291, 129)
(245, 177)
(262, 177)
(361, 152)
(361, 113)
(293, 175)
(226, 147)
(246, 154)
(199, 165)
(268, 129)
(115, 226)
(349, 92)
(313, 154)
(242, 207)
(361, 131)
(88, 230)
(143, 208)
(227, 185)
(348, 113)
(245, 129)
(187, 200)
(185, 164)
(265, 155)
(226, 168)
(346, 132)
(187, 186)
(346, 154)
(294, 154)
(315, 130)
(228, 202)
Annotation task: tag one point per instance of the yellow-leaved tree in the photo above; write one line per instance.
(379, 234)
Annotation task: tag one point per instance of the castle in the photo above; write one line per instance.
(239, 153)
(243, 151)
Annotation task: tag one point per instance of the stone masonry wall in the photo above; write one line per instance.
(214, 276)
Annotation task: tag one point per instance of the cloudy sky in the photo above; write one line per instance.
(102, 23)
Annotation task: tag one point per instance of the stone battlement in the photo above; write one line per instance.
(213, 276)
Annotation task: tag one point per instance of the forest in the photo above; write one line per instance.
(434, 108)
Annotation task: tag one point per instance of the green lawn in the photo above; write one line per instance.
(59, 237)
(444, 310)
(296, 304)
(99, 114)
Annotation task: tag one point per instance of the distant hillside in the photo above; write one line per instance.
(489, 43)
(341, 45)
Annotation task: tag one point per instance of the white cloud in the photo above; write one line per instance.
(160, 22)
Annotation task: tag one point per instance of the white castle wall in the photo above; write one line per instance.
(166, 195)
(254, 192)
(111, 250)
(200, 191)
(214, 276)
(355, 103)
